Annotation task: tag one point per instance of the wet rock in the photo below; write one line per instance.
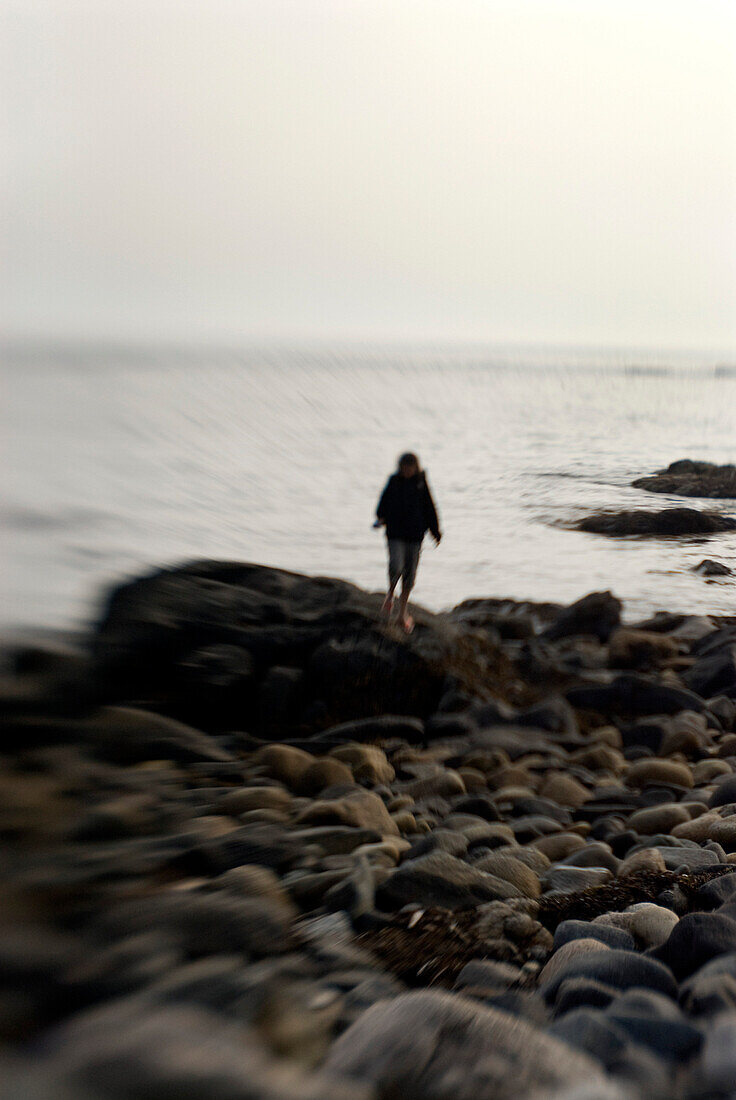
(670, 521)
(690, 478)
(436, 1046)
(443, 880)
(710, 568)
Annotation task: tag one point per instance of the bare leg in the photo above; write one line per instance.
(405, 618)
(388, 604)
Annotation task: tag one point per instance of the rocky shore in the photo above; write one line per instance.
(259, 845)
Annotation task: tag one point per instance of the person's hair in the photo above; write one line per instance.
(409, 459)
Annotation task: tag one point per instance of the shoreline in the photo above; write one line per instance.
(254, 837)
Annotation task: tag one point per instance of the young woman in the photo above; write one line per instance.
(407, 511)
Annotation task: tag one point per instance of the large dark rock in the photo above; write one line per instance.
(695, 940)
(634, 696)
(672, 521)
(713, 673)
(598, 613)
(620, 969)
(687, 478)
(227, 627)
(440, 879)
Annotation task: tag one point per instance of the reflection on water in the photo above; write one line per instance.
(115, 462)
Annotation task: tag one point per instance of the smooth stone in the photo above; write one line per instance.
(283, 762)
(657, 819)
(583, 993)
(369, 764)
(505, 866)
(255, 798)
(336, 839)
(620, 969)
(443, 880)
(487, 974)
(564, 954)
(324, 773)
(716, 892)
(569, 930)
(561, 879)
(594, 854)
(361, 809)
(712, 988)
(718, 1063)
(593, 1032)
(559, 845)
(440, 1046)
(695, 940)
(564, 790)
(644, 773)
(725, 792)
(645, 861)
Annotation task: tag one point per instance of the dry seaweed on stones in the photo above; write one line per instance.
(618, 895)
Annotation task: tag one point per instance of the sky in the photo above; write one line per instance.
(374, 169)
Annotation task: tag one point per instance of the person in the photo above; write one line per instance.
(407, 511)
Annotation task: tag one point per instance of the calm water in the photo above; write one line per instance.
(113, 462)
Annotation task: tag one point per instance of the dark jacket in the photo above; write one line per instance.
(407, 508)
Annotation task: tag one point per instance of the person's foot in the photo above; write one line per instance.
(407, 623)
(387, 606)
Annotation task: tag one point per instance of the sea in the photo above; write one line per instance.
(119, 458)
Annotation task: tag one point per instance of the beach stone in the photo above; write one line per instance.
(711, 989)
(530, 856)
(559, 845)
(633, 695)
(628, 648)
(446, 783)
(706, 771)
(569, 880)
(600, 757)
(598, 613)
(255, 798)
(369, 764)
(594, 854)
(284, 762)
(567, 951)
(323, 773)
(512, 870)
(709, 826)
(487, 974)
(127, 735)
(725, 792)
(564, 789)
(644, 773)
(657, 819)
(655, 1022)
(593, 1032)
(440, 879)
(620, 969)
(646, 860)
(688, 859)
(480, 804)
(695, 940)
(583, 993)
(440, 1046)
(570, 930)
(718, 1064)
(650, 924)
(713, 673)
(126, 1049)
(250, 880)
(362, 809)
(474, 780)
(716, 892)
(335, 840)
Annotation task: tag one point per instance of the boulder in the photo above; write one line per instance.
(598, 613)
(643, 649)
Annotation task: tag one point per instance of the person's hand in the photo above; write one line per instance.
(437, 538)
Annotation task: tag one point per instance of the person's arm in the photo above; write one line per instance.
(432, 519)
(384, 504)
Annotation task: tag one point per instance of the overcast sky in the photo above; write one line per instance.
(469, 169)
